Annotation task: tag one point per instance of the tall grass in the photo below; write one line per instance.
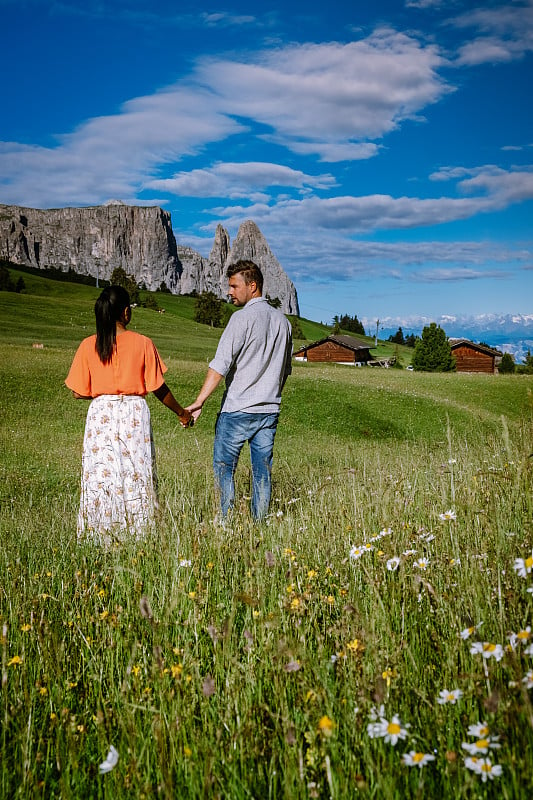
(247, 662)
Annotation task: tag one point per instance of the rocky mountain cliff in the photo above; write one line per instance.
(93, 241)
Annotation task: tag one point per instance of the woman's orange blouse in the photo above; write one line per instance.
(135, 367)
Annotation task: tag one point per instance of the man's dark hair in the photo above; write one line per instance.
(249, 271)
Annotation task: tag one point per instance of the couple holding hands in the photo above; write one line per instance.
(116, 369)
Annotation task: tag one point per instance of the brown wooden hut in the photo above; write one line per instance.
(472, 357)
(337, 349)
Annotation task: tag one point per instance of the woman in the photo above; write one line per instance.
(116, 369)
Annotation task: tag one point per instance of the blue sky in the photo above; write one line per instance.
(385, 149)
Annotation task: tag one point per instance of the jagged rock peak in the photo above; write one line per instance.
(94, 240)
(251, 244)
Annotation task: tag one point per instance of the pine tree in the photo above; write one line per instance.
(208, 310)
(433, 352)
(507, 364)
(119, 277)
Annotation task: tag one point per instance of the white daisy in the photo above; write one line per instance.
(523, 566)
(480, 730)
(356, 552)
(393, 563)
(467, 632)
(110, 762)
(488, 770)
(528, 679)
(422, 563)
(451, 697)
(448, 515)
(481, 746)
(414, 759)
(488, 650)
(391, 731)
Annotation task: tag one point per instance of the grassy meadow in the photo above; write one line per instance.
(371, 639)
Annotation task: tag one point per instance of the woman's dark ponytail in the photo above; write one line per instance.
(108, 310)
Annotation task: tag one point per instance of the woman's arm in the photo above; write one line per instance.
(167, 398)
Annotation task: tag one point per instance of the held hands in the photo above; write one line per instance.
(186, 419)
(195, 409)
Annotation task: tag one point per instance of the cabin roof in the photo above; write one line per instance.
(454, 343)
(349, 342)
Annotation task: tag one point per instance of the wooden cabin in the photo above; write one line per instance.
(336, 349)
(472, 357)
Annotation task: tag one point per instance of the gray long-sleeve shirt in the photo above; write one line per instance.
(254, 355)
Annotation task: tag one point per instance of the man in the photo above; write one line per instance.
(254, 356)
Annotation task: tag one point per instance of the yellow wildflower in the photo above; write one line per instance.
(326, 726)
(15, 661)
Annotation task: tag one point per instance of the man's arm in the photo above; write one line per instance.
(212, 380)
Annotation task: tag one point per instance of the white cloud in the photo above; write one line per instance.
(456, 274)
(315, 96)
(239, 180)
(505, 33)
(502, 187)
(329, 99)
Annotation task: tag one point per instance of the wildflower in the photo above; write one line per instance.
(192, 595)
(326, 726)
(530, 590)
(488, 650)
(448, 515)
(467, 632)
(187, 752)
(422, 563)
(393, 563)
(295, 603)
(185, 562)
(391, 731)
(385, 532)
(484, 767)
(14, 662)
(354, 645)
(528, 679)
(292, 666)
(451, 697)
(529, 650)
(454, 562)
(110, 762)
(523, 566)
(524, 635)
(176, 670)
(481, 745)
(480, 730)
(376, 713)
(312, 573)
(356, 552)
(26, 628)
(408, 553)
(414, 759)
(388, 674)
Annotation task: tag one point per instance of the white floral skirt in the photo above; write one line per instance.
(119, 479)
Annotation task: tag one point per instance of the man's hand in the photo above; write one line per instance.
(186, 419)
(195, 411)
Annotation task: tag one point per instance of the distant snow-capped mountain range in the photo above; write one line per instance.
(509, 333)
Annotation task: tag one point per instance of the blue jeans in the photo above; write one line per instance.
(231, 432)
